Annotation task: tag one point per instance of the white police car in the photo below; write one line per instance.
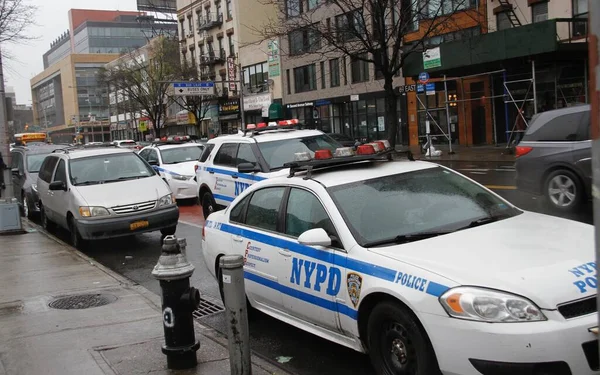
(175, 162)
(419, 266)
(232, 163)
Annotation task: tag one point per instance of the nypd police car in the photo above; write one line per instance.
(415, 264)
(232, 163)
(175, 162)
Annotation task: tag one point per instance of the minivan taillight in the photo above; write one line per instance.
(522, 150)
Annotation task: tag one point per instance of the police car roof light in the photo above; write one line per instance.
(381, 145)
(302, 156)
(323, 154)
(250, 126)
(261, 125)
(272, 123)
(367, 149)
(386, 143)
(375, 146)
(343, 152)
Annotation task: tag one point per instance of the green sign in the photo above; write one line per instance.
(432, 58)
(275, 111)
(273, 60)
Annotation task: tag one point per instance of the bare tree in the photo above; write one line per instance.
(143, 77)
(15, 17)
(372, 31)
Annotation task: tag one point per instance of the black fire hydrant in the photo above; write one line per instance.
(179, 300)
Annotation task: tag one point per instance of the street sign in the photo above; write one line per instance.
(424, 77)
(193, 88)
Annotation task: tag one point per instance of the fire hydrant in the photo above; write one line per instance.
(179, 300)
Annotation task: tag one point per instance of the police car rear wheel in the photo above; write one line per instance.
(397, 343)
(208, 205)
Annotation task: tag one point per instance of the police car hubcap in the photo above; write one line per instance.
(399, 351)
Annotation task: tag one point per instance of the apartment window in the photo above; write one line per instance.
(293, 8)
(359, 69)
(502, 21)
(344, 70)
(182, 22)
(305, 78)
(322, 66)
(349, 25)
(334, 72)
(539, 12)
(287, 80)
(449, 37)
(231, 49)
(304, 40)
(209, 49)
(190, 24)
(580, 10)
(228, 9)
(201, 52)
(378, 57)
(219, 11)
(220, 51)
(207, 14)
(312, 4)
(436, 8)
(256, 76)
(412, 11)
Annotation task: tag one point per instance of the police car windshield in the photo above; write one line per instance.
(181, 154)
(414, 206)
(108, 168)
(277, 153)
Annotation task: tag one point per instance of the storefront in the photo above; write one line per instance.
(229, 116)
(360, 116)
(256, 108)
(185, 124)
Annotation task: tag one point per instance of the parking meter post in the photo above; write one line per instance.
(238, 334)
(179, 300)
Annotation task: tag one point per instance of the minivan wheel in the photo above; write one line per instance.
(563, 190)
(208, 204)
(76, 240)
(46, 223)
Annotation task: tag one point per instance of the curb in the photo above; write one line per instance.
(156, 301)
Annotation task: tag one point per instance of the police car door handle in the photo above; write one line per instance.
(238, 238)
(285, 252)
(234, 176)
(211, 172)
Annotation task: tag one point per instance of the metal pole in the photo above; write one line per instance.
(506, 110)
(5, 140)
(234, 294)
(462, 88)
(448, 117)
(243, 122)
(493, 112)
(585, 80)
(534, 88)
(594, 48)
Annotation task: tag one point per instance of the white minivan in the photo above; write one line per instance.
(103, 193)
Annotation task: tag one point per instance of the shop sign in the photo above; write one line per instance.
(299, 105)
(321, 102)
(229, 107)
(273, 52)
(142, 126)
(354, 98)
(113, 127)
(432, 58)
(257, 102)
(185, 118)
(122, 126)
(231, 73)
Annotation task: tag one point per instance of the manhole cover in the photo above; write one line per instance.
(82, 301)
(206, 308)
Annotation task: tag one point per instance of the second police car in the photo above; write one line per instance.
(232, 163)
(175, 161)
(421, 267)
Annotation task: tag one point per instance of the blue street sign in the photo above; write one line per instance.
(423, 77)
(193, 88)
(430, 87)
(193, 84)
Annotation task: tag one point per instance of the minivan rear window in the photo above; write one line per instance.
(559, 129)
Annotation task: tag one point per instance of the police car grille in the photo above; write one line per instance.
(578, 308)
(136, 207)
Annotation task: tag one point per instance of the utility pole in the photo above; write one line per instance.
(4, 138)
(594, 87)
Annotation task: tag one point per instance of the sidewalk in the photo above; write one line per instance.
(122, 337)
(493, 154)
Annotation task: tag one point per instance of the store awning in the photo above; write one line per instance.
(275, 111)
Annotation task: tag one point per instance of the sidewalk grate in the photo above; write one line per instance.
(82, 301)
(206, 308)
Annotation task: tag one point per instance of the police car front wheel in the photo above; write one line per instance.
(397, 343)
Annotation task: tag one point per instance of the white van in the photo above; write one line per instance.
(103, 193)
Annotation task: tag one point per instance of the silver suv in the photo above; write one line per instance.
(103, 193)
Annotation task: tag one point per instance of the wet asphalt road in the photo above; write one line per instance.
(305, 354)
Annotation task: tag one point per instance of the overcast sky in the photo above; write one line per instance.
(51, 21)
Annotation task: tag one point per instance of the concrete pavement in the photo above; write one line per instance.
(493, 154)
(123, 336)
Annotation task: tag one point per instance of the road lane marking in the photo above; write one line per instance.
(501, 187)
(487, 170)
(191, 224)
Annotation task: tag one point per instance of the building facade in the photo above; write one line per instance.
(67, 97)
(508, 59)
(218, 37)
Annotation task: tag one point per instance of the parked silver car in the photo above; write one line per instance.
(554, 158)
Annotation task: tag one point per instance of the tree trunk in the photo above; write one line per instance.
(391, 110)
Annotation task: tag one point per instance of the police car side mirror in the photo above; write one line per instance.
(315, 237)
(248, 168)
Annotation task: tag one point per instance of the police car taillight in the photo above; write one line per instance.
(343, 151)
(262, 125)
(367, 149)
(302, 156)
(323, 154)
(250, 126)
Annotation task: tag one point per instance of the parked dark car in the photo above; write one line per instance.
(554, 158)
(26, 162)
(343, 139)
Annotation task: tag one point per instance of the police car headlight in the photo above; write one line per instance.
(181, 177)
(166, 200)
(488, 305)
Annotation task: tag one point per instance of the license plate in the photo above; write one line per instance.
(138, 225)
